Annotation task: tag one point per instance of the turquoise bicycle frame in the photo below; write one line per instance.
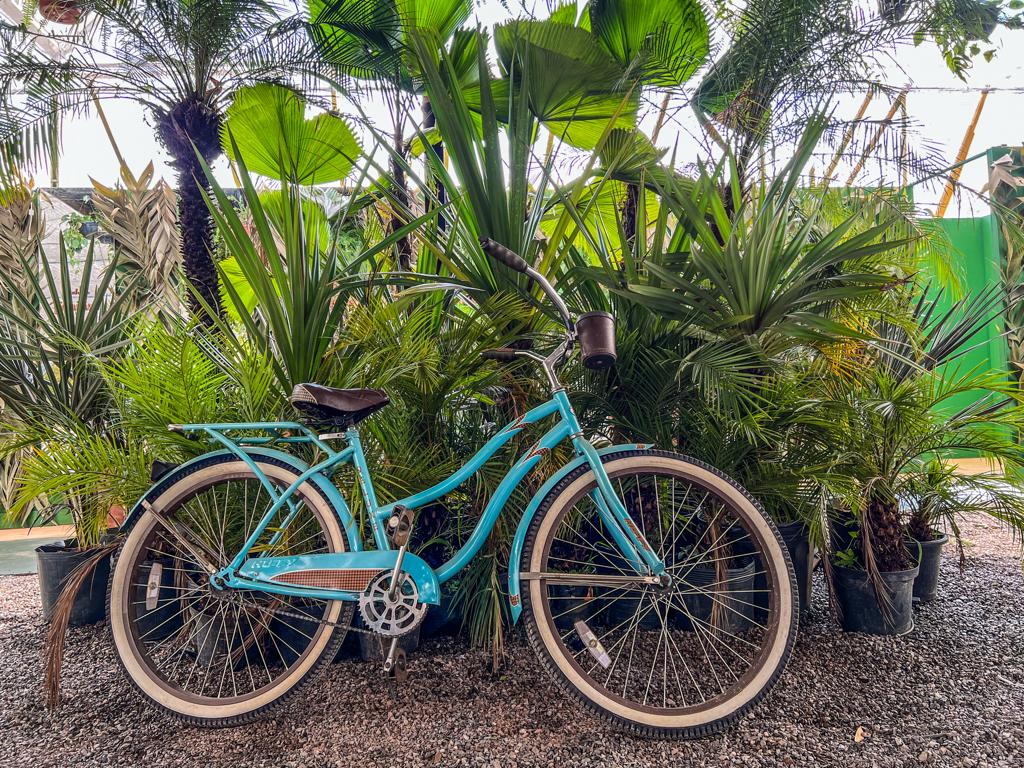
(245, 572)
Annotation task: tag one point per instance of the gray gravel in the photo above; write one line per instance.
(949, 694)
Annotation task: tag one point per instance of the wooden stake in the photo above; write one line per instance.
(847, 138)
(965, 147)
(896, 105)
(661, 119)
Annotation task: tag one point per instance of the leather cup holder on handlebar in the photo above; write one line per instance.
(596, 334)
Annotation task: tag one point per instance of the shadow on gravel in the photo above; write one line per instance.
(949, 694)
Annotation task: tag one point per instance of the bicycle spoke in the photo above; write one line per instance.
(212, 644)
(678, 644)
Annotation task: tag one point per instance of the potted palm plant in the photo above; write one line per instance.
(901, 413)
(730, 375)
(56, 409)
(932, 509)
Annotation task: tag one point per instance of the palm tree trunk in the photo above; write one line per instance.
(398, 211)
(887, 542)
(430, 121)
(189, 130)
(629, 214)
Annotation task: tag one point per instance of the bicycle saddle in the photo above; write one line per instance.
(338, 407)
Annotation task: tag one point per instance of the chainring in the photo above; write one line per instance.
(392, 616)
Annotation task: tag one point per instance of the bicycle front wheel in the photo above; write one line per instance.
(219, 657)
(679, 659)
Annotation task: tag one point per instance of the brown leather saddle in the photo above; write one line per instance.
(337, 407)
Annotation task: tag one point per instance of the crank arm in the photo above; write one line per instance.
(199, 551)
(589, 579)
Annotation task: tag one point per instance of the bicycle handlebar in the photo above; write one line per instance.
(499, 252)
(514, 261)
(504, 354)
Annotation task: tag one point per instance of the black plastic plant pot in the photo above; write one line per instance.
(794, 536)
(625, 608)
(289, 635)
(571, 603)
(156, 595)
(707, 606)
(596, 333)
(842, 533)
(444, 619)
(373, 647)
(929, 556)
(861, 610)
(56, 564)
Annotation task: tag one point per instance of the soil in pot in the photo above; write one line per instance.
(861, 611)
(56, 564)
(928, 555)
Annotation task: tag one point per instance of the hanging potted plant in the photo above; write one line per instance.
(902, 413)
(61, 11)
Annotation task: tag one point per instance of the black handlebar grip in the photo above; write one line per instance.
(504, 354)
(504, 255)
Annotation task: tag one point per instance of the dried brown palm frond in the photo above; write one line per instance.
(56, 634)
(22, 224)
(142, 216)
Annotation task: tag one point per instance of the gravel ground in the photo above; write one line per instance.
(949, 694)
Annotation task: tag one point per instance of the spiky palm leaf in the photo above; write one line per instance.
(51, 327)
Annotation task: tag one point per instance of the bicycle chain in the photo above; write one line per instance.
(304, 617)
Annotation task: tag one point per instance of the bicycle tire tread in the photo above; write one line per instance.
(312, 674)
(619, 723)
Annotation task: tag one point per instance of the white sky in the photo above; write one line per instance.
(941, 118)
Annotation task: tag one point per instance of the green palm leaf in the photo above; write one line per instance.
(665, 41)
(269, 125)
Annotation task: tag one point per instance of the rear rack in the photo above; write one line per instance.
(281, 432)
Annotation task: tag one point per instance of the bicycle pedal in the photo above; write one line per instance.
(400, 526)
(400, 668)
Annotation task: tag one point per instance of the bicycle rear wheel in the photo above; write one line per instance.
(678, 660)
(221, 657)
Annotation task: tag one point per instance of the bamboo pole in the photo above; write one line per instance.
(904, 149)
(965, 147)
(110, 134)
(661, 119)
(896, 105)
(847, 138)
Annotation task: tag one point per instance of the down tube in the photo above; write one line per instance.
(468, 551)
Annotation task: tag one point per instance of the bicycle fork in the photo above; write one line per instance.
(616, 519)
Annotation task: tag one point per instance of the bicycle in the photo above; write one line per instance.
(654, 589)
